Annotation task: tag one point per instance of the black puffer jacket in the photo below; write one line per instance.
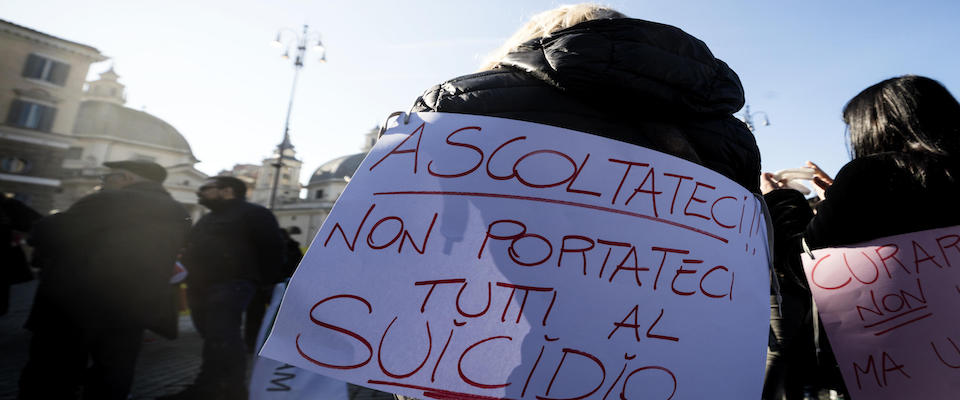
(876, 196)
(631, 80)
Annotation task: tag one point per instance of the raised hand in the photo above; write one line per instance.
(821, 180)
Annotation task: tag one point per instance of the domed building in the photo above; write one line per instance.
(303, 217)
(329, 180)
(106, 130)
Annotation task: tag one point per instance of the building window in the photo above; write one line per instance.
(45, 69)
(319, 194)
(31, 115)
(14, 165)
(74, 153)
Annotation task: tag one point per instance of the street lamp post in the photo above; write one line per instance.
(747, 118)
(298, 44)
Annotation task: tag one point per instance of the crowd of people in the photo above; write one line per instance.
(583, 67)
(105, 275)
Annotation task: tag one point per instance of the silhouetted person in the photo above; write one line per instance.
(229, 253)
(16, 220)
(292, 252)
(105, 264)
(261, 298)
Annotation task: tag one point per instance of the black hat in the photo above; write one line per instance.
(147, 169)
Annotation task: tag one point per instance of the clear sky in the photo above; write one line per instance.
(207, 67)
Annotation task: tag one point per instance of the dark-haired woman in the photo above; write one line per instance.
(905, 142)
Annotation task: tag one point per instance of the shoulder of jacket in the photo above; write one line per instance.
(868, 167)
(494, 82)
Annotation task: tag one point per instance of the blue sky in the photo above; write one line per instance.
(208, 69)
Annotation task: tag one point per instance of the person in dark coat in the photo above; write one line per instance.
(16, 220)
(105, 264)
(905, 142)
(592, 69)
(229, 253)
(293, 253)
(261, 298)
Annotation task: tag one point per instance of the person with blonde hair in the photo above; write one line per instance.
(592, 69)
(547, 22)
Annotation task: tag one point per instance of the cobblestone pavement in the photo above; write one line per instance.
(164, 366)
(167, 366)
(14, 339)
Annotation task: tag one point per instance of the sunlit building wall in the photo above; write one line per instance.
(41, 85)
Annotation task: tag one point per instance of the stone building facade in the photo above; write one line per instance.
(58, 130)
(41, 85)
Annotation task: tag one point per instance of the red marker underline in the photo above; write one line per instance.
(903, 324)
(895, 317)
(553, 201)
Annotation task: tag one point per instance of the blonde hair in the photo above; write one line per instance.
(548, 22)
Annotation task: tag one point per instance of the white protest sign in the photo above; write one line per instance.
(475, 257)
(275, 380)
(889, 307)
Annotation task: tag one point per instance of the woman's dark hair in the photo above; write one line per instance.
(912, 116)
(904, 114)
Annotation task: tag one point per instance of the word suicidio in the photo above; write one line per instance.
(439, 353)
(631, 185)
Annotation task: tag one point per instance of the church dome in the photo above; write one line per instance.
(338, 168)
(100, 118)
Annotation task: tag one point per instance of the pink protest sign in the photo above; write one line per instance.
(889, 307)
(477, 258)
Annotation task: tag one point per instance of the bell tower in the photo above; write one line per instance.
(107, 88)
